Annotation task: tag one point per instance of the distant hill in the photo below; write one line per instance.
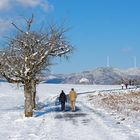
(102, 75)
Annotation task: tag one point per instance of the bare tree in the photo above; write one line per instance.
(30, 52)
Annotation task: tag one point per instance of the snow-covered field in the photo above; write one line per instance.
(91, 121)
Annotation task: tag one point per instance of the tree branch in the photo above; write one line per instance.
(10, 80)
(17, 27)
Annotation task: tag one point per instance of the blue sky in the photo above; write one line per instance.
(98, 28)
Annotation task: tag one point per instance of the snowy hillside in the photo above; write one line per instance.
(103, 75)
(93, 119)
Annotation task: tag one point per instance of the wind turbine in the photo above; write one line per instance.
(135, 61)
(108, 61)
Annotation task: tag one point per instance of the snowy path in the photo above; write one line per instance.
(83, 124)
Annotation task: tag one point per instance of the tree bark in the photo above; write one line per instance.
(28, 98)
(33, 84)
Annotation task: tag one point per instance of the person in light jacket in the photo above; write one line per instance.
(122, 85)
(72, 97)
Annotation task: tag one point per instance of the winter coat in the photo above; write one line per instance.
(62, 97)
(72, 95)
(122, 85)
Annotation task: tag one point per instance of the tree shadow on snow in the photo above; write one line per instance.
(15, 108)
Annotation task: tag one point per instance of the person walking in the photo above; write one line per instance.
(122, 85)
(126, 85)
(62, 100)
(72, 97)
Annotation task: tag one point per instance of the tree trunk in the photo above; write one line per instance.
(28, 98)
(33, 84)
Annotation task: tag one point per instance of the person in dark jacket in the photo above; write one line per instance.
(62, 100)
(126, 85)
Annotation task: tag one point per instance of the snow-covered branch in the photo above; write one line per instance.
(30, 52)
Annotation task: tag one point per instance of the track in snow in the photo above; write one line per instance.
(83, 124)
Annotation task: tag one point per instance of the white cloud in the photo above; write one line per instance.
(34, 3)
(46, 6)
(127, 49)
(4, 26)
(4, 4)
(30, 3)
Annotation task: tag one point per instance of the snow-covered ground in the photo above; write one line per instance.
(49, 123)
